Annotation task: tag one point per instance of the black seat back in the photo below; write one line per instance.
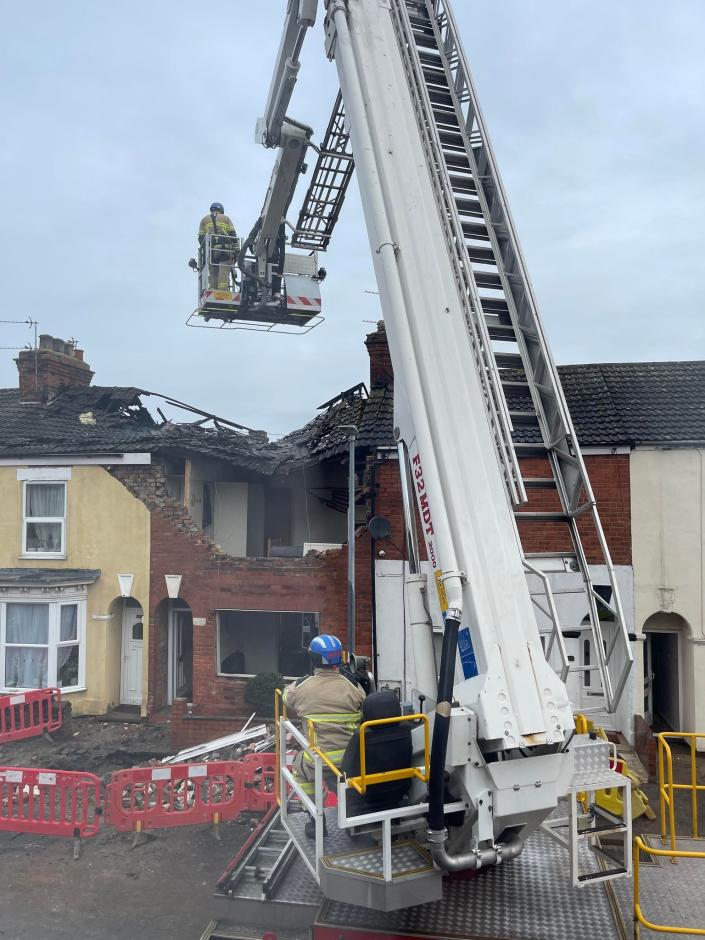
(387, 747)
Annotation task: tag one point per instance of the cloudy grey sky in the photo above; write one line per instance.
(122, 122)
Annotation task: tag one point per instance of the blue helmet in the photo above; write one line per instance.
(217, 207)
(328, 647)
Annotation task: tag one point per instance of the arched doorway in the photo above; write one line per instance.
(664, 634)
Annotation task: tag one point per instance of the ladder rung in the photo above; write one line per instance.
(481, 255)
(509, 360)
(475, 230)
(503, 332)
(523, 417)
(540, 483)
(488, 280)
(541, 516)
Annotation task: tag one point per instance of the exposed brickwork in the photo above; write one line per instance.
(45, 370)
(213, 580)
(381, 372)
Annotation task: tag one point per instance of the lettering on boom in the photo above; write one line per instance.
(424, 508)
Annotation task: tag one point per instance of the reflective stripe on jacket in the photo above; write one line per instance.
(223, 225)
(330, 706)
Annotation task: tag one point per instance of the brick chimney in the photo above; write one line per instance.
(56, 364)
(381, 373)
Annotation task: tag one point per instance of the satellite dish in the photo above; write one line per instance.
(379, 527)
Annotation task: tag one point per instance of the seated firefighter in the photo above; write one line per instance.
(223, 246)
(329, 705)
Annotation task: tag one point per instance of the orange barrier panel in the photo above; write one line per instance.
(26, 714)
(49, 802)
(189, 794)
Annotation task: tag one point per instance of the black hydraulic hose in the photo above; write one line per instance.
(441, 725)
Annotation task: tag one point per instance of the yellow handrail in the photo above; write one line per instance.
(581, 724)
(668, 789)
(673, 854)
(278, 702)
(364, 780)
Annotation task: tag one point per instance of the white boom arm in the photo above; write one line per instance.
(501, 727)
(470, 532)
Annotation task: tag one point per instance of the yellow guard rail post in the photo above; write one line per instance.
(668, 789)
(279, 715)
(364, 780)
(667, 793)
(639, 919)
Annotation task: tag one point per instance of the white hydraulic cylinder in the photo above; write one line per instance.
(470, 533)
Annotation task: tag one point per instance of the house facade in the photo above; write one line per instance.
(204, 554)
(70, 534)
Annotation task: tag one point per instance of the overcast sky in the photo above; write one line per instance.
(122, 122)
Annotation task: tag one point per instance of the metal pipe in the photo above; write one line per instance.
(479, 858)
(351, 535)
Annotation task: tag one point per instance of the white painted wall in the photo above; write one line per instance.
(230, 517)
(395, 665)
(668, 522)
(312, 520)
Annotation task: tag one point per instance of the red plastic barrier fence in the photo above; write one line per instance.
(189, 794)
(26, 714)
(49, 802)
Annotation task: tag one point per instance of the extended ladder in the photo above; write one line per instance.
(329, 184)
(525, 403)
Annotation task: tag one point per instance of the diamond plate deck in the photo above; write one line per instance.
(529, 898)
(408, 858)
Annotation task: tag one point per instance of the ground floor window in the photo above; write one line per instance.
(254, 641)
(42, 643)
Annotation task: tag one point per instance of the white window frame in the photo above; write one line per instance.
(55, 601)
(247, 610)
(27, 519)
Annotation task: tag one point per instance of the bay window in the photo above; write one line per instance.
(41, 644)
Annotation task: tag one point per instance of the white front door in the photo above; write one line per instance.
(132, 646)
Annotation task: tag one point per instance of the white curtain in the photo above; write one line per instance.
(69, 623)
(27, 623)
(45, 499)
(26, 666)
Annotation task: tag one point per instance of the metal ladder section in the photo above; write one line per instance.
(264, 864)
(329, 184)
(502, 314)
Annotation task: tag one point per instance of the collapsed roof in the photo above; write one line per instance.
(611, 404)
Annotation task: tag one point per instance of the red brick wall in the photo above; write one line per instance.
(212, 580)
(609, 476)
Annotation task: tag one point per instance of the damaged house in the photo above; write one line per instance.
(159, 564)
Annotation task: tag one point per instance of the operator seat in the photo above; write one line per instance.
(387, 747)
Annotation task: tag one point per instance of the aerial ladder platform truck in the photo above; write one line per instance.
(497, 764)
